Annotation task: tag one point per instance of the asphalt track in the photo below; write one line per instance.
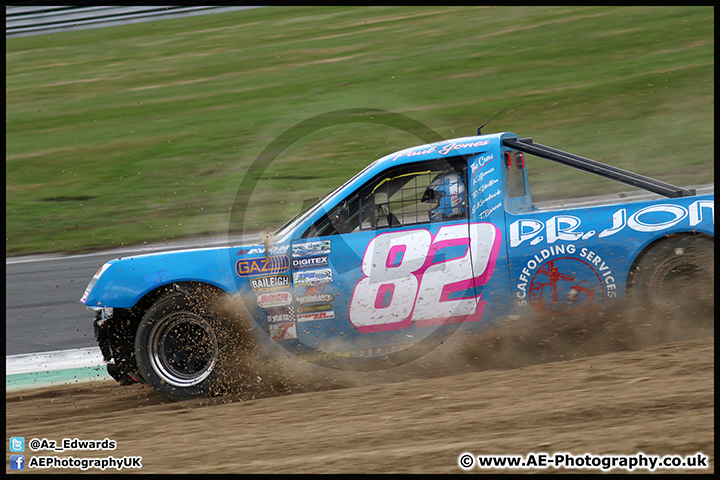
(43, 312)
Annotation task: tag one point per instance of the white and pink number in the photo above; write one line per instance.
(408, 281)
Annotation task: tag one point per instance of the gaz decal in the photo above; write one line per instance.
(414, 278)
(260, 266)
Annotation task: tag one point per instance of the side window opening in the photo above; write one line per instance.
(517, 192)
(411, 194)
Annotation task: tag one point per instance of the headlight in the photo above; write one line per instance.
(93, 281)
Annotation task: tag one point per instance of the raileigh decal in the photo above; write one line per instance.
(310, 262)
(320, 247)
(307, 278)
(273, 300)
(412, 277)
(268, 284)
(555, 280)
(258, 266)
(653, 218)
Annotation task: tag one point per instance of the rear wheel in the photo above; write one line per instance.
(672, 286)
(184, 347)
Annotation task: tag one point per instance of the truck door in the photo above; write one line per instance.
(393, 261)
(486, 226)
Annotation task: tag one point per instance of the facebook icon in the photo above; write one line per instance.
(17, 462)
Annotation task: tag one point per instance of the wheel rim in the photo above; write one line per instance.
(679, 279)
(183, 349)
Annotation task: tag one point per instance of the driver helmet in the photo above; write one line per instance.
(448, 190)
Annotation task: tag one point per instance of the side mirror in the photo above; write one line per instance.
(343, 213)
(381, 202)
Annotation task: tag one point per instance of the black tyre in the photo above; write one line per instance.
(184, 348)
(673, 285)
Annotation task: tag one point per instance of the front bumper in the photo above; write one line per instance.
(116, 339)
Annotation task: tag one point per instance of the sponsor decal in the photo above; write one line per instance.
(257, 266)
(480, 175)
(280, 315)
(260, 250)
(310, 262)
(308, 317)
(320, 247)
(322, 307)
(267, 284)
(317, 298)
(307, 278)
(479, 162)
(315, 294)
(373, 351)
(653, 218)
(272, 300)
(553, 282)
(479, 190)
(485, 213)
(442, 149)
(283, 331)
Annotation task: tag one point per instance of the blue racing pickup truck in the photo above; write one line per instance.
(436, 240)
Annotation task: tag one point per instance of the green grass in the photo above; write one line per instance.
(142, 133)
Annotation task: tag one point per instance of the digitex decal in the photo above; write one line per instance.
(258, 266)
(310, 262)
(268, 284)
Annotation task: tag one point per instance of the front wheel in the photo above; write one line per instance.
(182, 348)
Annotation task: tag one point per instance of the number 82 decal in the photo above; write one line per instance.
(411, 277)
